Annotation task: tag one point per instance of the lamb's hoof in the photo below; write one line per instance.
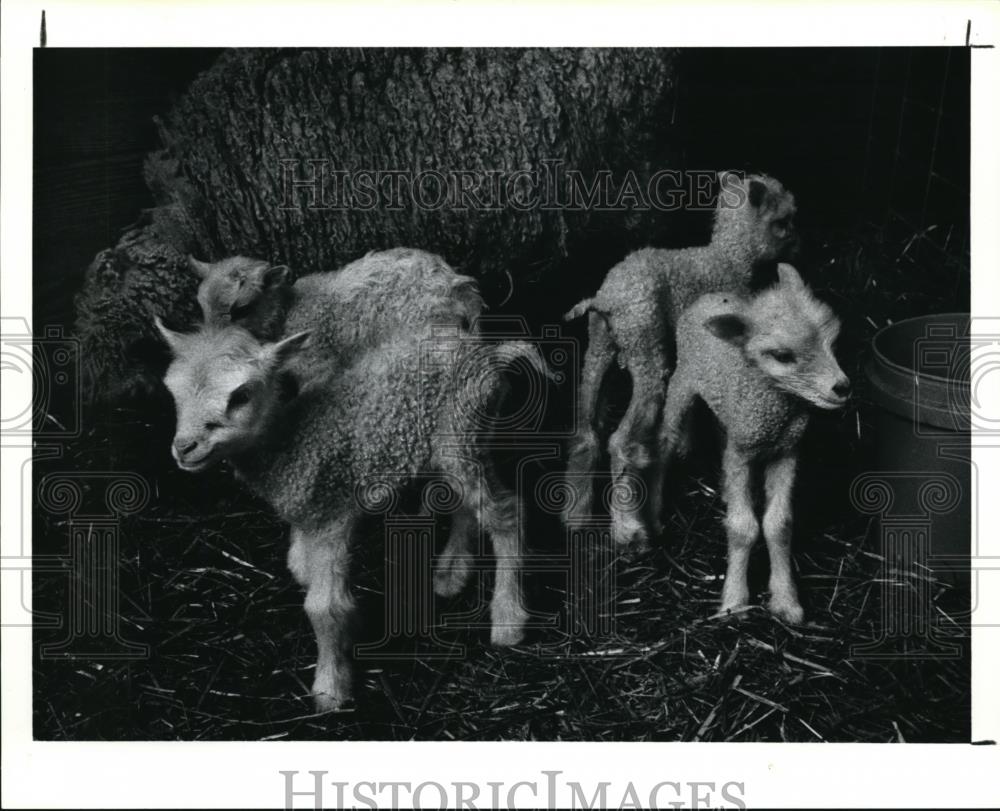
(328, 702)
(331, 692)
(628, 531)
(734, 602)
(452, 575)
(506, 636)
(787, 609)
(508, 627)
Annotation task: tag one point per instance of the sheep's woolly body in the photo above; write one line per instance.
(384, 294)
(388, 418)
(123, 288)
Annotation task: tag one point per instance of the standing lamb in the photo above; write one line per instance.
(632, 319)
(405, 409)
(759, 364)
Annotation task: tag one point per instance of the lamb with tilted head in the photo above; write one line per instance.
(632, 319)
(382, 294)
(759, 364)
(403, 410)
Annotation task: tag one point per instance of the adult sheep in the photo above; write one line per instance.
(234, 144)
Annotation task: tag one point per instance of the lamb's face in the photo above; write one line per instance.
(763, 212)
(218, 412)
(230, 287)
(789, 336)
(226, 387)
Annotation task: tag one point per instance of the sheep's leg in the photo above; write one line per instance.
(778, 483)
(298, 557)
(586, 448)
(631, 447)
(324, 560)
(632, 453)
(672, 441)
(499, 513)
(452, 569)
(742, 528)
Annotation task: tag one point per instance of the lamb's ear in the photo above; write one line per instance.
(730, 327)
(275, 276)
(789, 276)
(200, 269)
(175, 340)
(286, 348)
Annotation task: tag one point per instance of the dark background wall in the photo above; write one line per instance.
(93, 126)
(864, 136)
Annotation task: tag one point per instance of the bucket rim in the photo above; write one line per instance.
(906, 370)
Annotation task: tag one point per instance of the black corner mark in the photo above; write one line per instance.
(43, 36)
(968, 36)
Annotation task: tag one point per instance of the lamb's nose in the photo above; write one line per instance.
(184, 447)
(842, 387)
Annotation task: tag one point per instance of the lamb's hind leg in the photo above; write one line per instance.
(586, 448)
(499, 512)
(319, 560)
(452, 568)
(632, 445)
(632, 450)
(672, 441)
(742, 528)
(778, 482)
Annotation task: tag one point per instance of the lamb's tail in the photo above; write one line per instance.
(580, 309)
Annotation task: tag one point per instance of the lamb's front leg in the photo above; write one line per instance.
(330, 607)
(778, 482)
(742, 528)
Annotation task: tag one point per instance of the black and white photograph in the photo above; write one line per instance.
(405, 389)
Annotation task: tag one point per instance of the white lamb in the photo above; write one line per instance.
(404, 409)
(759, 364)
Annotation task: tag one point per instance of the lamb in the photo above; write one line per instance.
(407, 408)
(382, 294)
(632, 319)
(759, 365)
(242, 290)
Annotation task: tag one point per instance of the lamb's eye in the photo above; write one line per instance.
(782, 355)
(213, 426)
(240, 397)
